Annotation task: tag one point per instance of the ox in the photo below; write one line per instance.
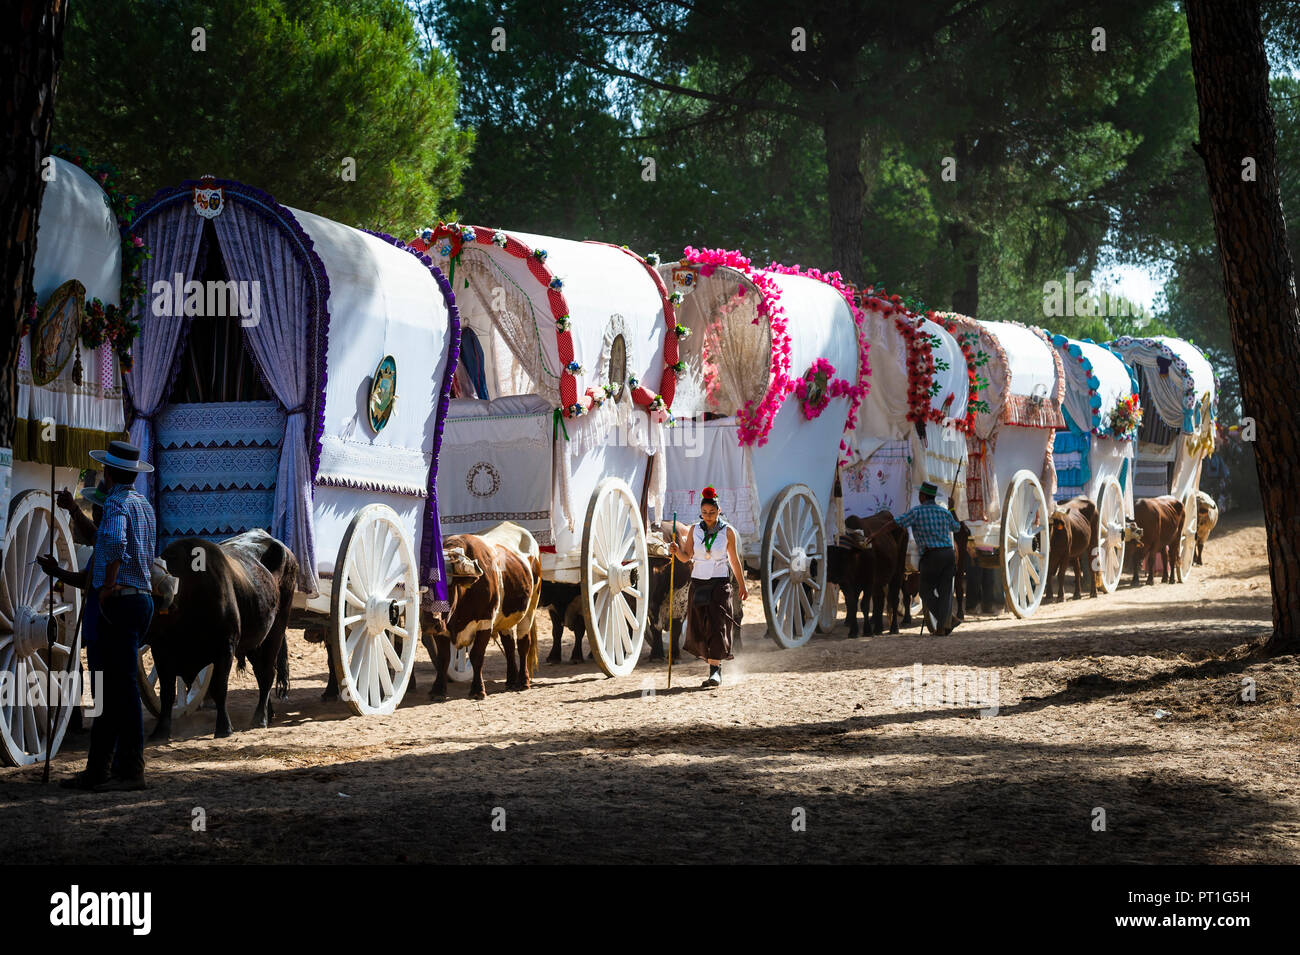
(232, 600)
(1207, 515)
(564, 601)
(1073, 531)
(494, 586)
(1159, 523)
(665, 570)
(869, 563)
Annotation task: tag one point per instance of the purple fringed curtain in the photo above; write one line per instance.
(255, 249)
(432, 566)
(173, 236)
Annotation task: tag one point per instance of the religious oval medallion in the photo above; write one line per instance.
(54, 335)
(617, 374)
(383, 392)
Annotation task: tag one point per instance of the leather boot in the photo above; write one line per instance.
(96, 771)
(128, 776)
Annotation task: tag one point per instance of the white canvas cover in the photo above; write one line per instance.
(77, 238)
(1096, 380)
(888, 461)
(509, 309)
(797, 451)
(383, 301)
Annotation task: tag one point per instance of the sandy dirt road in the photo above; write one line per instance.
(1128, 704)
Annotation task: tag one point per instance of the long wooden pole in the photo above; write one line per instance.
(672, 566)
(49, 645)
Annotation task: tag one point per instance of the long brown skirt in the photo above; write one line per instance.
(711, 626)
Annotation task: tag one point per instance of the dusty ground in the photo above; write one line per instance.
(587, 768)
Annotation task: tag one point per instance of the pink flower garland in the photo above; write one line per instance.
(857, 391)
(835, 388)
(754, 424)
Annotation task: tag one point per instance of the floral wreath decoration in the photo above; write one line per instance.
(101, 322)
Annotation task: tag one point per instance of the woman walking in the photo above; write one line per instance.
(710, 548)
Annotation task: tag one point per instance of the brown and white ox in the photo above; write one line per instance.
(1207, 515)
(1159, 523)
(1073, 531)
(494, 585)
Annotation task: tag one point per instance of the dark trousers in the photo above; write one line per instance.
(938, 567)
(118, 734)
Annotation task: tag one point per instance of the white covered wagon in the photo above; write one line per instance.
(69, 402)
(773, 365)
(303, 391)
(563, 386)
(1010, 478)
(1093, 456)
(1179, 395)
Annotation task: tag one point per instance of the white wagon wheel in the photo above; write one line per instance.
(1187, 546)
(792, 567)
(459, 668)
(615, 577)
(375, 611)
(1110, 536)
(25, 657)
(189, 696)
(830, 609)
(1024, 544)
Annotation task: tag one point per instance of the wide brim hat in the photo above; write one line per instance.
(122, 455)
(95, 495)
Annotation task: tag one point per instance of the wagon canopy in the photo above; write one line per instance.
(1100, 401)
(77, 238)
(548, 309)
(911, 426)
(771, 367)
(1021, 391)
(1179, 396)
(331, 302)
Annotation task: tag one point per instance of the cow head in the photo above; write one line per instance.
(1056, 520)
(163, 585)
(461, 565)
(1132, 532)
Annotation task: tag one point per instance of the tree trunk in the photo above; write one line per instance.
(966, 253)
(1231, 72)
(30, 53)
(845, 191)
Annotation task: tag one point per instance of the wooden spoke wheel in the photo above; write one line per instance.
(1110, 536)
(830, 609)
(1025, 540)
(1187, 546)
(33, 677)
(375, 611)
(792, 567)
(615, 577)
(189, 696)
(459, 669)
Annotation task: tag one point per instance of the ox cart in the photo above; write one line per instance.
(273, 401)
(69, 402)
(912, 425)
(1010, 478)
(774, 366)
(1093, 456)
(1179, 396)
(563, 388)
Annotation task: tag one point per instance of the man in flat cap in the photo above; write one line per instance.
(933, 527)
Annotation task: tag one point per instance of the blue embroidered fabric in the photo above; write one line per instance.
(217, 468)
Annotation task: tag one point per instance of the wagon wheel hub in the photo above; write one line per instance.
(1025, 544)
(30, 630)
(799, 564)
(378, 614)
(620, 577)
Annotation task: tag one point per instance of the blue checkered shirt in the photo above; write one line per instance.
(931, 525)
(126, 533)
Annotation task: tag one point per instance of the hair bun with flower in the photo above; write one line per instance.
(710, 493)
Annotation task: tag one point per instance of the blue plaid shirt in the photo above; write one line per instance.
(931, 525)
(126, 533)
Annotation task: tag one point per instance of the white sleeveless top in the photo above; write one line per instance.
(704, 566)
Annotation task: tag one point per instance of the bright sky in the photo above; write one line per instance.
(1139, 285)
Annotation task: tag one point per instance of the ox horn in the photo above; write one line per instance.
(163, 584)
